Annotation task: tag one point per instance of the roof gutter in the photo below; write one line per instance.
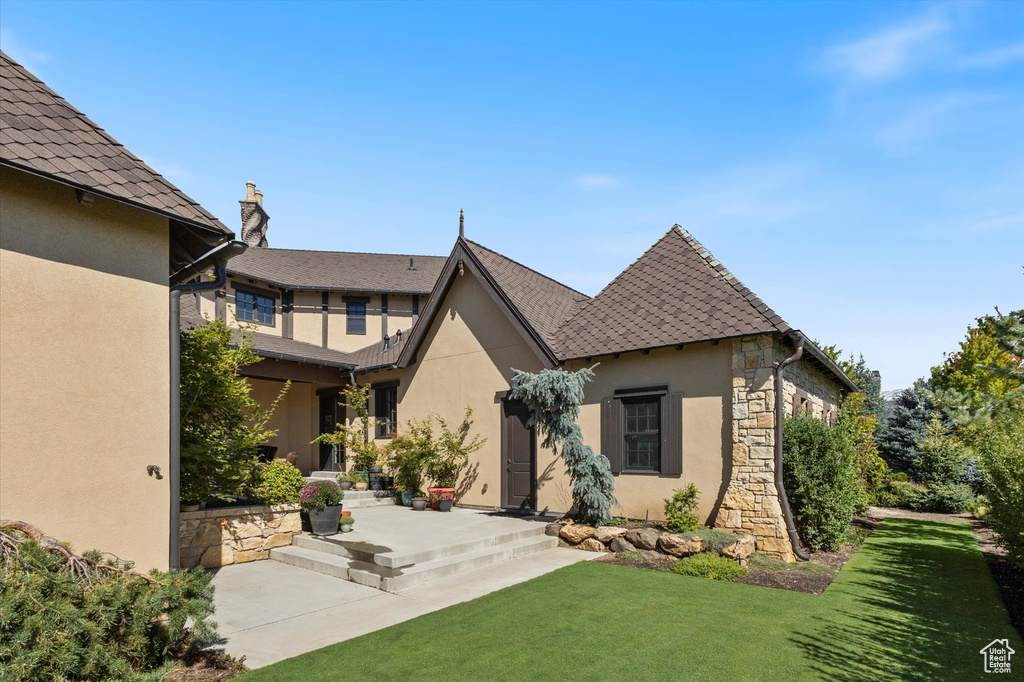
(787, 513)
(217, 258)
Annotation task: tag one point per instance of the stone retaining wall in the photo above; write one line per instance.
(235, 535)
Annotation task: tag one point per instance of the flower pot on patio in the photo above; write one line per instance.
(346, 524)
(405, 498)
(345, 514)
(189, 506)
(325, 521)
(420, 503)
(361, 485)
(438, 494)
(345, 485)
(374, 473)
(444, 505)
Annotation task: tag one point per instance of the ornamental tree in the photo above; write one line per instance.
(553, 397)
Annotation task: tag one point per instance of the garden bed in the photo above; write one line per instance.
(804, 576)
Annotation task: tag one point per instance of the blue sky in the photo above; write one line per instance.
(858, 165)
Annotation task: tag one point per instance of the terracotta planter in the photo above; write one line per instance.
(325, 521)
(438, 494)
(420, 503)
(345, 513)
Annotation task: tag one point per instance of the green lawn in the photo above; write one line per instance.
(915, 603)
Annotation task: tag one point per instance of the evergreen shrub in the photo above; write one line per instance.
(822, 478)
(708, 565)
(681, 510)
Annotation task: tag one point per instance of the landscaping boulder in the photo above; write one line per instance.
(606, 534)
(621, 544)
(681, 545)
(552, 528)
(575, 534)
(650, 555)
(741, 549)
(643, 538)
(591, 545)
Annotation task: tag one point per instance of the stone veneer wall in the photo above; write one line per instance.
(822, 392)
(235, 535)
(751, 503)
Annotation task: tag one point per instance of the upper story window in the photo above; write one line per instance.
(385, 410)
(642, 433)
(253, 307)
(355, 315)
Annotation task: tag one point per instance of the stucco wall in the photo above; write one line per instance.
(467, 356)
(84, 375)
(701, 372)
(295, 419)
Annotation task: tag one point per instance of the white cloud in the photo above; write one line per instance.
(596, 182)
(995, 58)
(925, 119)
(888, 53)
(17, 50)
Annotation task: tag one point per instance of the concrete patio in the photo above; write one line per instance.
(269, 610)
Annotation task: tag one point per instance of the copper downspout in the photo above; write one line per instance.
(779, 404)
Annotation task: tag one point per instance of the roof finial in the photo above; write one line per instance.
(462, 224)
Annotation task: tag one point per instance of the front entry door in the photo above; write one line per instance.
(519, 457)
(331, 412)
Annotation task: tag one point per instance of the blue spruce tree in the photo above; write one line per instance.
(554, 397)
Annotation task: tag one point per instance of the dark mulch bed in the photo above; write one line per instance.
(209, 666)
(812, 577)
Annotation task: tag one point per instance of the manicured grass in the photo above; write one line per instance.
(916, 602)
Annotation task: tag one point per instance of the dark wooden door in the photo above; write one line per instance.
(519, 458)
(331, 412)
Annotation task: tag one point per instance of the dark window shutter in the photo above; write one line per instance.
(611, 432)
(672, 434)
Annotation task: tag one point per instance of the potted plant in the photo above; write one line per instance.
(404, 497)
(346, 481)
(346, 524)
(366, 454)
(451, 456)
(321, 500)
(420, 500)
(410, 449)
(360, 480)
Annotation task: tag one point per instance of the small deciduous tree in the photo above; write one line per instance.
(222, 424)
(553, 397)
(355, 437)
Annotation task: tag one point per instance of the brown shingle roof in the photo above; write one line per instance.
(43, 134)
(374, 355)
(270, 346)
(677, 292)
(339, 270)
(543, 302)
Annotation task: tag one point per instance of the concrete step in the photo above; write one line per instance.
(312, 560)
(333, 475)
(408, 576)
(360, 499)
(398, 559)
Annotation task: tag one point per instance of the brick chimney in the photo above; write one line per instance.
(255, 220)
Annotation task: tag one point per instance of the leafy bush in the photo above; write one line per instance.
(68, 617)
(708, 565)
(320, 494)
(410, 451)
(681, 510)
(822, 479)
(1002, 459)
(616, 521)
(278, 482)
(221, 423)
(903, 495)
(453, 451)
